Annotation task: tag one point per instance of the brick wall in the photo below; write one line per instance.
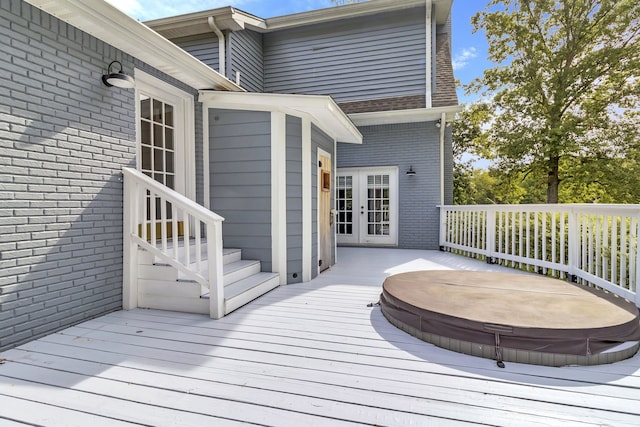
(64, 138)
(405, 145)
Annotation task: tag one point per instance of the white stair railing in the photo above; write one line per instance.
(592, 244)
(161, 220)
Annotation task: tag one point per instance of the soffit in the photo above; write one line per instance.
(405, 116)
(114, 27)
(322, 110)
(226, 18)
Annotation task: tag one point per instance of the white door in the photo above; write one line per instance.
(367, 206)
(165, 137)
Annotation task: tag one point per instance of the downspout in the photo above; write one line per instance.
(221, 45)
(443, 125)
(428, 53)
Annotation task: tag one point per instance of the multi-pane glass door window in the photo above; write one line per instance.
(367, 206)
(344, 201)
(157, 140)
(157, 146)
(378, 205)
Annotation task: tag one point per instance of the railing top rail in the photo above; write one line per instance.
(177, 198)
(595, 208)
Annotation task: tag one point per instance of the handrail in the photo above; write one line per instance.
(594, 244)
(154, 218)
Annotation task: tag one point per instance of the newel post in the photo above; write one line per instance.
(574, 244)
(443, 227)
(490, 234)
(637, 281)
(216, 279)
(130, 248)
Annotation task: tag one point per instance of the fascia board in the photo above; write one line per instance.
(322, 110)
(109, 24)
(354, 10)
(193, 23)
(404, 116)
(227, 18)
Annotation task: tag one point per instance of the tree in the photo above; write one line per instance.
(566, 92)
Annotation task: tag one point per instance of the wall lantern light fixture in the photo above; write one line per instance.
(118, 79)
(411, 172)
(439, 123)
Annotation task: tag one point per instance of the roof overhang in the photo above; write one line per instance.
(405, 116)
(229, 18)
(322, 110)
(353, 10)
(107, 23)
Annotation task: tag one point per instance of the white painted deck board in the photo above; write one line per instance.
(307, 354)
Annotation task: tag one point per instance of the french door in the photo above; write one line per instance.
(367, 206)
(164, 116)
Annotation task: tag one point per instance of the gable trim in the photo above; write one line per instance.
(109, 24)
(321, 110)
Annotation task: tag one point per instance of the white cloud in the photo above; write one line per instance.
(462, 59)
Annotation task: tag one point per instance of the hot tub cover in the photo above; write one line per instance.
(519, 311)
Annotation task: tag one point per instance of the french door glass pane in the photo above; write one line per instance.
(157, 144)
(344, 202)
(378, 205)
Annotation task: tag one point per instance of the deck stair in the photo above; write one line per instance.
(161, 286)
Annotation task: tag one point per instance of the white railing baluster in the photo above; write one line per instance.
(543, 239)
(143, 219)
(198, 247)
(563, 259)
(633, 248)
(637, 262)
(614, 248)
(187, 239)
(163, 224)
(623, 252)
(174, 231)
(595, 244)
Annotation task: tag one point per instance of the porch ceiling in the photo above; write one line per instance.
(107, 23)
(322, 110)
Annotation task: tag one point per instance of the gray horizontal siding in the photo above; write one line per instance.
(405, 145)
(240, 160)
(204, 47)
(357, 59)
(294, 199)
(246, 57)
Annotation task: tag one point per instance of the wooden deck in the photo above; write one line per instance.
(303, 355)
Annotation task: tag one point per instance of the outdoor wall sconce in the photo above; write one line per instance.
(118, 79)
(439, 123)
(411, 172)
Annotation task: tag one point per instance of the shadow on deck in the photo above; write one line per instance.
(305, 354)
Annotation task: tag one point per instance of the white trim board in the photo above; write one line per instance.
(185, 129)
(321, 110)
(109, 24)
(405, 116)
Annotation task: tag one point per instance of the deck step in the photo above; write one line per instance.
(246, 290)
(242, 279)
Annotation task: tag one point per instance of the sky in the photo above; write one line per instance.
(469, 50)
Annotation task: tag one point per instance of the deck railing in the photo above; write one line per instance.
(596, 245)
(174, 229)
